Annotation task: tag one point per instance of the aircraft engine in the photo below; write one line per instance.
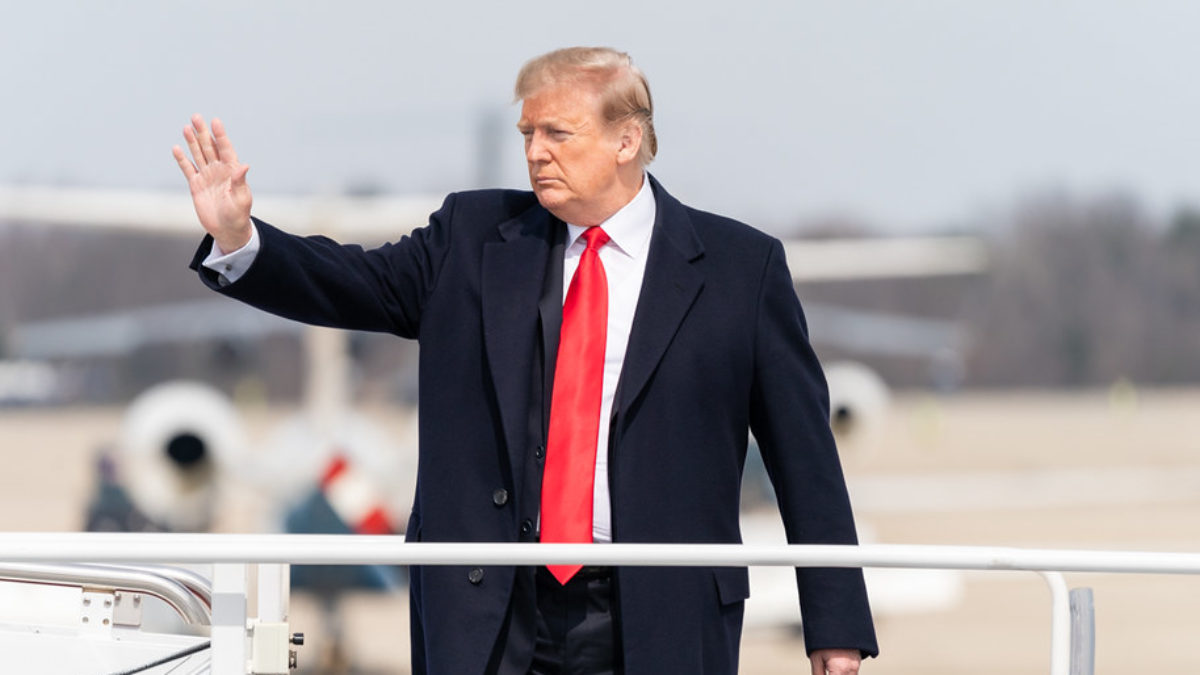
(175, 440)
(858, 402)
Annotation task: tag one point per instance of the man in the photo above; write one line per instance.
(592, 356)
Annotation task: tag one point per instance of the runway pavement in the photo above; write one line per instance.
(1032, 469)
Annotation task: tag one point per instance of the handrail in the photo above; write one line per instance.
(364, 549)
(197, 584)
(109, 578)
(317, 549)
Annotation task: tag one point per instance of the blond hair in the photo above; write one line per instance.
(624, 91)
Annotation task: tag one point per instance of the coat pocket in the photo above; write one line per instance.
(733, 584)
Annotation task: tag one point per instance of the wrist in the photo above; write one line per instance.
(229, 242)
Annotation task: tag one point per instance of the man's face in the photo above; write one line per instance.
(572, 154)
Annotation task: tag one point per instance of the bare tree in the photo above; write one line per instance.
(1085, 293)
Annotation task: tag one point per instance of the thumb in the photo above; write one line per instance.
(818, 664)
(239, 176)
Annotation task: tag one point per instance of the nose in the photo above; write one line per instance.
(535, 148)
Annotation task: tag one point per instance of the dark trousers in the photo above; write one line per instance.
(576, 629)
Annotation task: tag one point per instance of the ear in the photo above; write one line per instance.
(630, 137)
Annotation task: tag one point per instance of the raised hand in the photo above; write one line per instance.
(217, 182)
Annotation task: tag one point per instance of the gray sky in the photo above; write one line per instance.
(911, 115)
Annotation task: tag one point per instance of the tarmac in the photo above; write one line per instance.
(1114, 470)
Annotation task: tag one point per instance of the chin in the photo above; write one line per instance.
(552, 199)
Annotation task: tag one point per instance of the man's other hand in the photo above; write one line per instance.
(835, 661)
(217, 182)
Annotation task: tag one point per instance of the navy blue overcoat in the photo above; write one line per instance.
(719, 346)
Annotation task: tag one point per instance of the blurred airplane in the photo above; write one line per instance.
(182, 439)
(374, 219)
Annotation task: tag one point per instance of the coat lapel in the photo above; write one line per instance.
(669, 288)
(512, 281)
(550, 308)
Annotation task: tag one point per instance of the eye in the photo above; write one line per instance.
(560, 134)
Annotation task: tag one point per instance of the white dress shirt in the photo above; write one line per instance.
(624, 260)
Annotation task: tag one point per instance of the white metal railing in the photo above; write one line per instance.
(194, 582)
(334, 549)
(361, 549)
(185, 600)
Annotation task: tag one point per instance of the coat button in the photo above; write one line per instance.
(526, 526)
(500, 497)
(475, 576)
(540, 452)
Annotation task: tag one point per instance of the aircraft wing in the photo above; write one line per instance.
(883, 258)
(387, 217)
(374, 219)
(365, 219)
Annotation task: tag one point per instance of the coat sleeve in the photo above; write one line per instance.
(790, 419)
(318, 281)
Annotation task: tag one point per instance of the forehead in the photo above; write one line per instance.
(572, 103)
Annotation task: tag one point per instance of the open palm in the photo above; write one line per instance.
(217, 182)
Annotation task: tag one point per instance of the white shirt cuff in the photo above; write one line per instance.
(231, 266)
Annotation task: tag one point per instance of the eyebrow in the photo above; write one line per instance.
(554, 122)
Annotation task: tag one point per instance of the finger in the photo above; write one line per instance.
(185, 165)
(205, 139)
(189, 135)
(818, 664)
(224, 146)
(842, 666)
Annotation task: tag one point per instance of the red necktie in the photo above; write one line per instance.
(567, 482)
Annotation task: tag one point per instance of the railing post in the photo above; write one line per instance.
(1083, 632)
(1060, 624)
(229, 619)
(274, 591)
(270, 643)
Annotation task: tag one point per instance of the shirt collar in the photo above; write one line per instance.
(629, 228)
